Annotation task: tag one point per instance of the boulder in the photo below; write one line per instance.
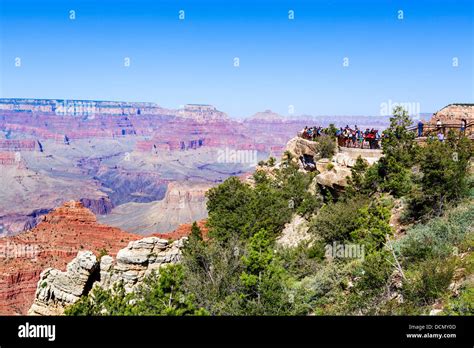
(334, 177)
(57, 289)
(298, 147)
(348, 156)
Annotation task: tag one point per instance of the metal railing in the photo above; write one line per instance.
(433, 129)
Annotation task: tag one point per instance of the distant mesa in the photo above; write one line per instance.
(266, 116)
(79, 107)
(63, 107)
(202, 113)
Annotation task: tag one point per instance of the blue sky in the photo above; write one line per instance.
(282, 62)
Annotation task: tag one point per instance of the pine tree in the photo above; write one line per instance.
(399, 149)
(196, 232)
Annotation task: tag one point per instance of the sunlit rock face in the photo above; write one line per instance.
(334, 172)
(454, 113)
(294, 232)
(58, 289)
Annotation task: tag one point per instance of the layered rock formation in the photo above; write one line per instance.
(299, 147)
(56, 289)
(55, 241)
(332, 173)
(454, 113)
(17, 145)
(78, 107)
(202, 113)
(183, 202)
(52, 243)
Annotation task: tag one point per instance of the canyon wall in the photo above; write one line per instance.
(55, 242)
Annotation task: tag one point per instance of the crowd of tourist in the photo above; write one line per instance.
(347, 136)
(370, 138)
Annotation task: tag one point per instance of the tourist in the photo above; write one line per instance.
(463, 125)
(441, 136)
(420, 128)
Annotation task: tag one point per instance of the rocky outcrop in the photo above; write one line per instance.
(138, 260)
(348, 156)
(294, 232)
(56, 290)
(298, 147)
(454, 113)
(333, 173)
(53, 243)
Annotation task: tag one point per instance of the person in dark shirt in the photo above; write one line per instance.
(420, 128)
(463, 125)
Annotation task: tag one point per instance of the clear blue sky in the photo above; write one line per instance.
(282, 62)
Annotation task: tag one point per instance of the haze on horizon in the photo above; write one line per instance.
(284, 64)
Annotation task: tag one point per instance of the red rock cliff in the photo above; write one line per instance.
(53, 243)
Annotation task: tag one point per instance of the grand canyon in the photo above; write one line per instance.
(96, 174)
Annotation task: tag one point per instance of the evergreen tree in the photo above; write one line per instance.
(443, 179)
(399, 149)
(263, 279)
(196, 232)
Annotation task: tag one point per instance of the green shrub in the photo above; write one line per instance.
(438, 237)
(428, 280)
(463, 304)
(376, 269)
(444, 179)
(326, 146)
(335, 221)
(355, 220)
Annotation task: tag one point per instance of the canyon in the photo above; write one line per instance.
(109, 177)
(97, 175)
(121, 156)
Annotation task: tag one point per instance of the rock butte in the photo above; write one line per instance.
(57, 239)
